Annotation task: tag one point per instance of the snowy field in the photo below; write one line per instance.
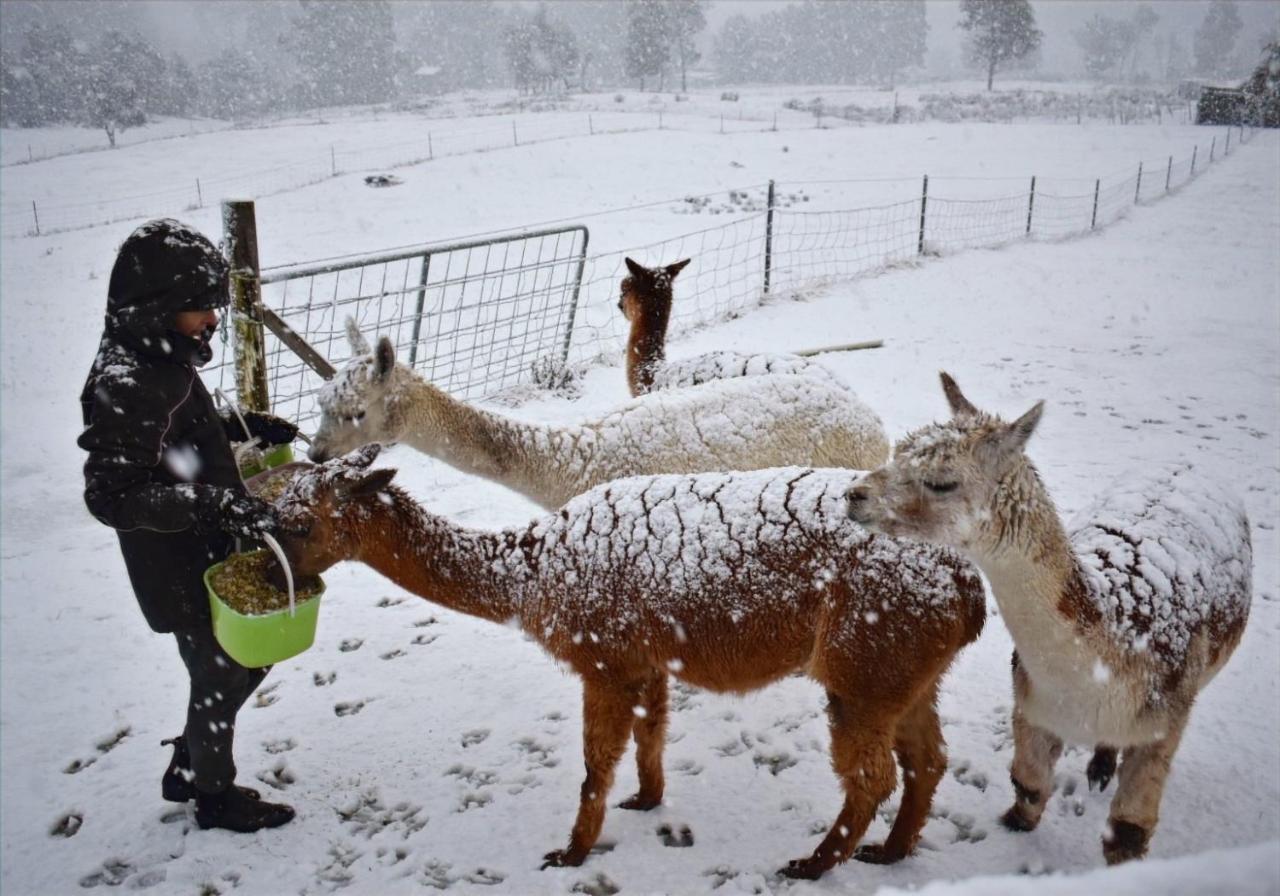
(429, 751)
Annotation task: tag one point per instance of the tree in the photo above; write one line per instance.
(540, 53)
(686, 18)
(231, 86)
(1000, 32)
(345, 51)
(895, 37)
(648, 33)
(1105, 43)
(113, 103)
(1216, 37)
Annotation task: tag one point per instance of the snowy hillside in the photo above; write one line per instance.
(429, 751)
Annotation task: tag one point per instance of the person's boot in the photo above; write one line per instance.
(178, 783)
(234, 811)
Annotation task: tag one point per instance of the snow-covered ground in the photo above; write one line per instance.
(423, 749)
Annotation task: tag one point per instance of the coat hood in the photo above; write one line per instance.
(162, 268)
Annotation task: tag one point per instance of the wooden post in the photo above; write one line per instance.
(431, 153)
(515, 136)
(1137, 190)
(1031, 203)
(1168, 174)
(1195, 149)
(768, 241)
(924, 201)
(591, 127)
(35, 214)
(333, 162)
(1093, 222)
(722, 122)
(1226, 150)
(1212, 146)
(240, 232)
(199, 195)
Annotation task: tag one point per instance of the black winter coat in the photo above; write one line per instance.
(156, 443)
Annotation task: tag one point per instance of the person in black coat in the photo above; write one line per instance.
(161, 472)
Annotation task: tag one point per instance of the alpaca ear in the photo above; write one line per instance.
(1008, 442)
(635, 269)
(359, 345)
(960, 406)
(384, 360)
(360, 458)
(370, 483)
(673, 269)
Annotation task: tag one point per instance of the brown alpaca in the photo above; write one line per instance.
(729, 581)
(645, 302)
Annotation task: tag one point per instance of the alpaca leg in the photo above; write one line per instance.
(1035, 752)
(862, 755)
(1136, 807)
(1102, 767)
(607, 714)
(922, 754)
(650, 732)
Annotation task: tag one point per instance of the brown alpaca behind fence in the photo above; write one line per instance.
(728, 581)
(645, 301)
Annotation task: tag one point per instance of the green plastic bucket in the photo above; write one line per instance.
(274, 456)
(256, 641)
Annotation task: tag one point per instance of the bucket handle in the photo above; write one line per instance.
(271, 542)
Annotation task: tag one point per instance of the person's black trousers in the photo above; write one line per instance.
(219, 687)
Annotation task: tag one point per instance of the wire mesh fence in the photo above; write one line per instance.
(479, 317)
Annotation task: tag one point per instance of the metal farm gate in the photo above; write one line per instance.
(472, 317)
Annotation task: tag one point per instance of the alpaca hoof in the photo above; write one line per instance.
(1125, 842)
(804, 869)
(1101, 768)
(640, 803)
(1014, 820)
(877, 854)
(561, 858)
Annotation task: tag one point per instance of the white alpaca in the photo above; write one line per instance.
(646, 304)
(736, 425)
(1117, 626)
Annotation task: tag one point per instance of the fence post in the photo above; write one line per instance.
(333, 164)
(35, 214)
(1093, 222)
(1195, 149)
(1168, 174)
(1226, 150)
(722, 122)
(240, 231)
(515, 137)
(30, 157)
(199, 195)
(1031, 203)
(431, 152)
(591, 127)
(1212, 146)
(768, 241)
(422, 299)
(924, 201)
(1137, 190)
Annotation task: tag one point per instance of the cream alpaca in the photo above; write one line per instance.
(734, 425)
(646, 304)
(728, 581)
(1117, 626)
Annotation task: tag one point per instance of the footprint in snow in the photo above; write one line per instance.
(350, 644)
(390, 602)
(423, 639)
(68, 825)
(967, 776)
(348, 709)
(474, 736)
(596, 886)
(113, 873)
(323, 679)
(283, 745)
(104, 746)
(392, 654)
(681, 839)
(278, 776)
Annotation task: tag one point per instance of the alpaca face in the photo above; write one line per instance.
(946, 481)
(358, 406)
(320, 512)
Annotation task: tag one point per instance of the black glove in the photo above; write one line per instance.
(272, 430)
(236, 513)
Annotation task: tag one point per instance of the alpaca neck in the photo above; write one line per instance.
(425, 554)
(1027, 557)
(528, 458)
(646, 350)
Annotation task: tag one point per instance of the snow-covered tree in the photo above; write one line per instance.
(345, 51)
(1105, 43)
(687, 19)
(1000, 32)
(895, 36)
(232, 86)
(1215, 40)
(648, 49)
(541, 53)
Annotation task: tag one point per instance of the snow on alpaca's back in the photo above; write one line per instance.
(720, 547)
(681, 373)
(1163, 551)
